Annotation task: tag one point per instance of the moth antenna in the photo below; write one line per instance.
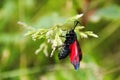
(76, 22)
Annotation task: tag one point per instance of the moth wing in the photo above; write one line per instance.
(75, 54)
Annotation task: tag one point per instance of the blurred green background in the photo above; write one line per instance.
(101, 56)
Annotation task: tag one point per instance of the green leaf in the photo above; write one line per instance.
(109, 12)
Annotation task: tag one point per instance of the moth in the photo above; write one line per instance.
(72, 48)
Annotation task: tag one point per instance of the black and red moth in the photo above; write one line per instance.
(71, 47)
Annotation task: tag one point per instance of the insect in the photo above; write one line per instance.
(71, 47)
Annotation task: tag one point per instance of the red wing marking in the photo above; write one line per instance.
(75, 54)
